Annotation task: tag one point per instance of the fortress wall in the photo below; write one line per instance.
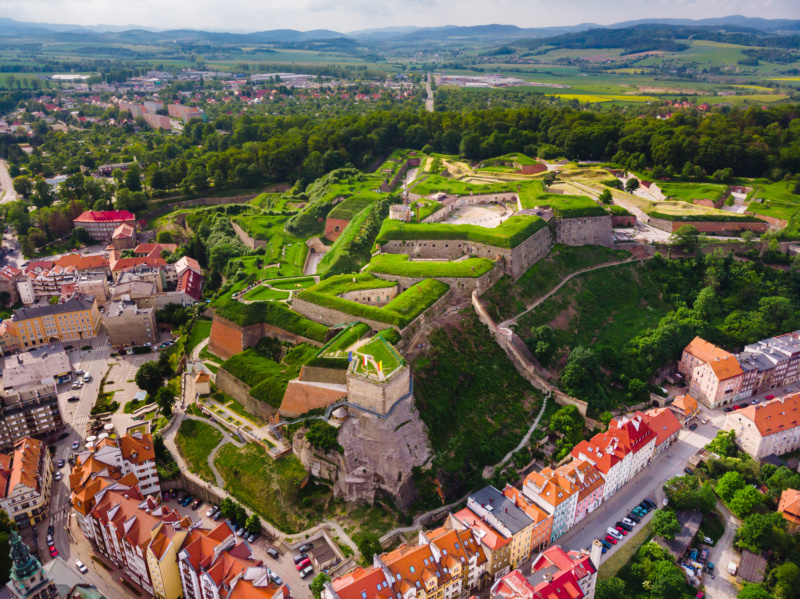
(593, 230)
(378, 396)
(443, 249)
(461, 286)
(707, 227)
(246, 239)
(330, 317)
(373, 297)
(529, 252)
(232, 386)
(228, 338)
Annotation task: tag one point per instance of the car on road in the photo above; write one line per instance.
(704, 421)
(68, 347)
(611, 539)
(629, 522)
(53, 551)
(728, 409)
(61, 463)
(769, 397)
(87, 377)
(275, 578)
(58, 475)
(688, 471)
(693, 427)
(75, 445)
(621, 530)
(81, 568)
(308, 570)
(73, 398)
(196, 503)
(303, 564)
(273, 553)
(605, 543)
(754, 402)
(306, 547)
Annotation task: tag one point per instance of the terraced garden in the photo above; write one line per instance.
(401, 265)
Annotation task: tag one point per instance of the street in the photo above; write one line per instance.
(7, 193)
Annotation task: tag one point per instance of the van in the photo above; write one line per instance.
(87, 377)
(614, 533)
(306, 572)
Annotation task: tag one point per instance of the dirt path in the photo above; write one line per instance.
(6, 184)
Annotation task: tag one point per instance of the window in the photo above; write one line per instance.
(363, 594)
(412, 569)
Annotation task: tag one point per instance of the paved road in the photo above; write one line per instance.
(429, 99)
(720, 587)
(6, 184)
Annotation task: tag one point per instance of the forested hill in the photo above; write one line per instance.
(667, 38)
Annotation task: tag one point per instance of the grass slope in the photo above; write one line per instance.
(267, 379)
(400, 265)
(196, 440)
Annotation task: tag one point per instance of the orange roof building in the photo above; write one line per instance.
(699, 351)
(25, 481)
(771, 428)
(684, 407)
(542, 521)
(496, 547)
(557, 494)
(664, 423)
(789, 506)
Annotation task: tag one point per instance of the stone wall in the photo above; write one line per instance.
(424, 319)
(228, 338)
(462, 286)
(593, 230)
(331, 317)
(164, 209)
(623, 221)
(529, 252)
(250, 242)
(708, 227)
(375, 395)
(372, 297)
(775, 223)
(470, 200)
(230, 385)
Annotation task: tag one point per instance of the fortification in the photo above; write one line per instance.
(590, 230)
(400, 212)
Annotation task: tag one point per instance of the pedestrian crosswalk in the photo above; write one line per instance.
(81, 420)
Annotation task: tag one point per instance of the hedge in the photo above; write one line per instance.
(509, 234)
(400, 265)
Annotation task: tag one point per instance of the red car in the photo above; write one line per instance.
(770, 397)
(303, 564)
(621, 530)
(53, 551)
(611, 539)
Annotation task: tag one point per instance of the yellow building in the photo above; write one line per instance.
(73, 320)
(162, 561)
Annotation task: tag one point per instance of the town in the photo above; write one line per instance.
(388, 327)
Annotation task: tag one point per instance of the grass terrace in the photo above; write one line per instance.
(520, 159)
(382, 353)
(267, 379)
(339, 284)
(196, 440)
(201, 330)
(683, 211)
(348, 209)
(689, 192)
(265, 294)
(400, 312)
(437, 183)
(400, 265)
(564, 206)
(509, 234)
(334, 353)
(618, 210)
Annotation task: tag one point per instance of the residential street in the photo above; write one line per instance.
(720, 587)
(7, 193)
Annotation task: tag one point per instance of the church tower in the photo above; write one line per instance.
(28, 578)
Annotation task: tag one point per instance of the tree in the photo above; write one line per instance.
(253, 525)
(667, 580)
(632, 185)
(318, 584)
(728, 485)
(687, 237)
(787, 580)
(42, 193)
(611, 588)
(759, 532)
(582, 375)
(569, 423)
(606, 197)
(81, 235)
(744, 501)
(23, 186)
(665, 524)
(148, 378)
(6, 526)
(369, 544)
(165, 398)
(754, 591)
(165, 237)
(542, 343)
(133, 178)
(706, 306)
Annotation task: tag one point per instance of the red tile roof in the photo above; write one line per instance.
(191, 284)
(633, 433)
(789, 505)
(773, 416)
(662, 422)
(94, 216)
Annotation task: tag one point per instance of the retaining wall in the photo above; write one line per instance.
(250, 242)
(156, 212)
(470, 200)
(331, 317)
(462, 286)
(372, 297)
(228, 338)
(230, 385)
(593, 230)
(708, 227)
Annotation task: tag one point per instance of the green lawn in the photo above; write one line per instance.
(351, 206)
(400, 265)
(292, 284)
(689, 192)
(339, 284)
(265, 294)
(201, 330)
(774, 208)
(437, 183)
(271, 488)
(380, 352)
(196, 440)
(267, 379)
(507, 298)
(623, 554)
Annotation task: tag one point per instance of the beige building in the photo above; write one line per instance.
(717, 382)
(73, 320)
(94, 284)
(25, 480)
(768, 428)
(9, 342)
(127, 324)
(698, 352)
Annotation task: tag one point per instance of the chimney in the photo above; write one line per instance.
(596, 553)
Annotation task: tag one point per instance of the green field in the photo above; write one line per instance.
(265, 294)
(201, 330)
(382, 353)
(340, 284)
(196, 440)
(508, 298)
(347, 209)
(400, 265)
(689, 192)
(564, 206)
(436, 183)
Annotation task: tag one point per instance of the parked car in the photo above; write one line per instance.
(240, 531)
(73, 399)
(306, 547)
(703, 556)
(789, 390)
(622, 531)
(605, 543)
(217, 516)
(305, 563)
(308, 570)
(628, 521)
(275, 578)
(694, 426)
(299, 558)
(197, 503)
(79, 372)
(81, 568)
(87, 377)
(186, 501)
(253, 537)
(645, 507)
(273, 553)
(61, 463)
(710, 567)
(77, 384)
(614, 533)
(623, 526)
(165, 496)
(49, 538)
(53, 551)
(211, 511)
(707, 540)
(726, 410)
(634, 517)
(610, 539)
(688, 471)
(58, 475)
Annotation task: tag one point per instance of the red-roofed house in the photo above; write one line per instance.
(637, 438)
(767, 428)
(789, 506)
(124, 237)
(102, 224)
(191, 285)
(664, 423)
(555, 574)
(8, 282)
(609, 457)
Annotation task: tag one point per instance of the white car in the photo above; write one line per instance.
(629, 522)
(58, 475)
(614, 533)
(81, 568)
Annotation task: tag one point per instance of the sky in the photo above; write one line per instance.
(351, 15)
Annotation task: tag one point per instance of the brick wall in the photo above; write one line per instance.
(228, 338)
(378, 396)
(334, 227)
(623, 221)
(708, 227)
(300, 397)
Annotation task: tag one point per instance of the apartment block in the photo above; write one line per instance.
(770, 428)
(637, 439)
(717, 382)
(556, 494)
(127, 324)
(31, 413)
(47, 366)
(26, 477)
(605, 453)
(72, 320)
(664, 424)
(542, 521)
(495, 545)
